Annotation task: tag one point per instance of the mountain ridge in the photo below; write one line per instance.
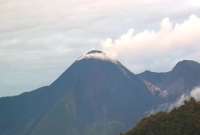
(181, 79)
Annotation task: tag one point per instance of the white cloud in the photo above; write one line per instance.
(150, 48)
(195, 93)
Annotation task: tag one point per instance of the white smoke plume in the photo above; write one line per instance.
(154, 48)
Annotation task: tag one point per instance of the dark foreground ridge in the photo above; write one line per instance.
(182, 121)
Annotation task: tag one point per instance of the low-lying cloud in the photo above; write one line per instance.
(196, 94)
(154, 48)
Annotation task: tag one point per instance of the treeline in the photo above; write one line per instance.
(184, 120)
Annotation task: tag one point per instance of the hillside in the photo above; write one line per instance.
(184, 120)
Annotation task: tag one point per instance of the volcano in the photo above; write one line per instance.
(95, 95)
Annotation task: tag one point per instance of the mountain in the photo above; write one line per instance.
(184, 77)
(180, 121)
(92, 96)
(95, 95)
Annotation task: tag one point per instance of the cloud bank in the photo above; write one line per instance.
(151, 48)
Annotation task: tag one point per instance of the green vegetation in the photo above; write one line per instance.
(184, 120)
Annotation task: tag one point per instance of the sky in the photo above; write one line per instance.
(39, 39)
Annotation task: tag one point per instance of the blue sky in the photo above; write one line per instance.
(39, 39)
